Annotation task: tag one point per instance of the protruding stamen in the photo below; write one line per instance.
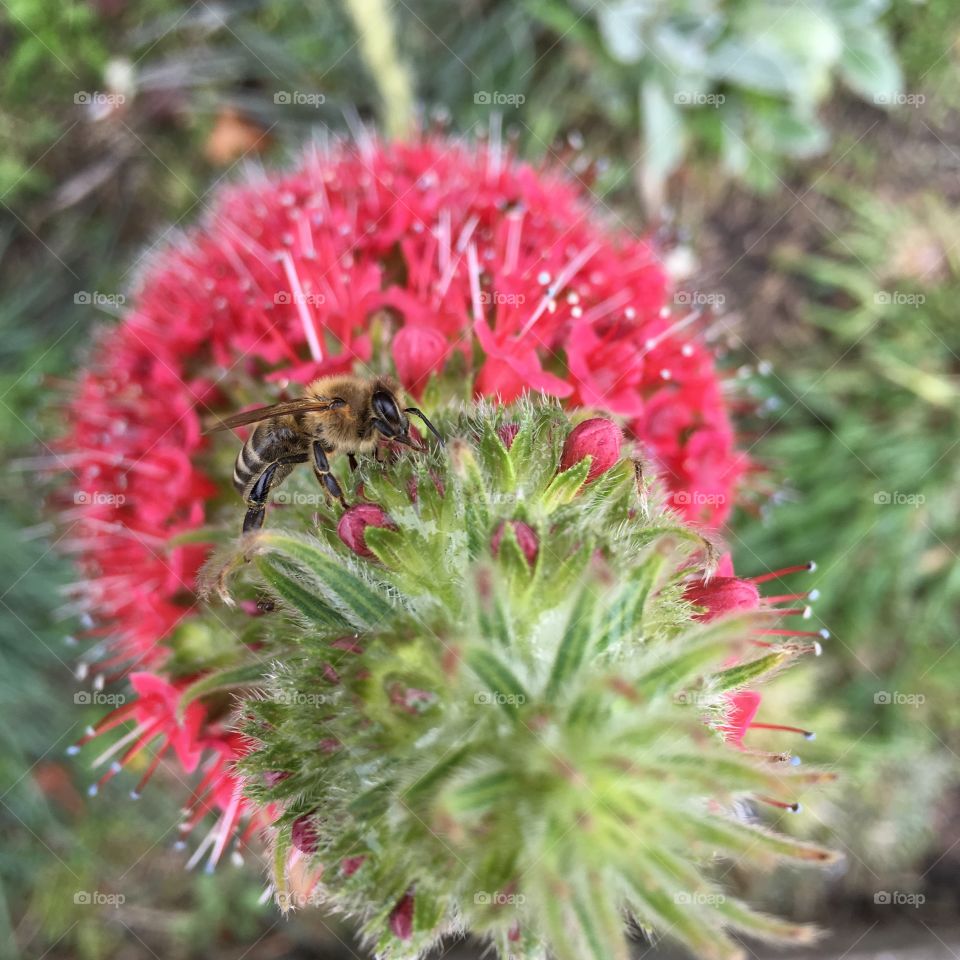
(786, 571)
(793, 807)
(806, 734)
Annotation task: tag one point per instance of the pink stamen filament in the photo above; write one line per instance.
(799, 568)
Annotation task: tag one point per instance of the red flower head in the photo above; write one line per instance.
(481, 268)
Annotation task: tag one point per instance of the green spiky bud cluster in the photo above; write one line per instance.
(503, 717)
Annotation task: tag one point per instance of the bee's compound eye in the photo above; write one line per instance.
(386, 407)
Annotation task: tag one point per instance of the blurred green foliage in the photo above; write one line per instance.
(863, 429)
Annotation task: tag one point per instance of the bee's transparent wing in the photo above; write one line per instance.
(303, 405)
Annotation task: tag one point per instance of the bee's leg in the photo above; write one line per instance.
(352, 460)
(321, 467)
(257, 498)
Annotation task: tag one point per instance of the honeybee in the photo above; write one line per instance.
(339, 414)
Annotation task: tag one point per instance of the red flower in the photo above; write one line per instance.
(743, 708)
(483, 267)
(597, 438)
(353, 525)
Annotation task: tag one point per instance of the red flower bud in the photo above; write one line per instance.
(304, 834)
(526, 537)
(721, 595)
(418, 351)
(401, 919)
(354, 522)
(272, 777)
(350, 865)
(508, 433)
(598, 438)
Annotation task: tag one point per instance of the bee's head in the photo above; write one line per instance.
(390, 420)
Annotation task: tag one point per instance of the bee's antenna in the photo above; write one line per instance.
(428, 424)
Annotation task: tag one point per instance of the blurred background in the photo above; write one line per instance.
(799, 161)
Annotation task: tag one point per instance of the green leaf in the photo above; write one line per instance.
(663, 138)
(354, 597)
(320, 614)
(575, 642)
(744, 673)
(869, 65)
(504, 686)
(229, 678)
(566, 485)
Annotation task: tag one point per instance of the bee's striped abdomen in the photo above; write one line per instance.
(248, 466)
